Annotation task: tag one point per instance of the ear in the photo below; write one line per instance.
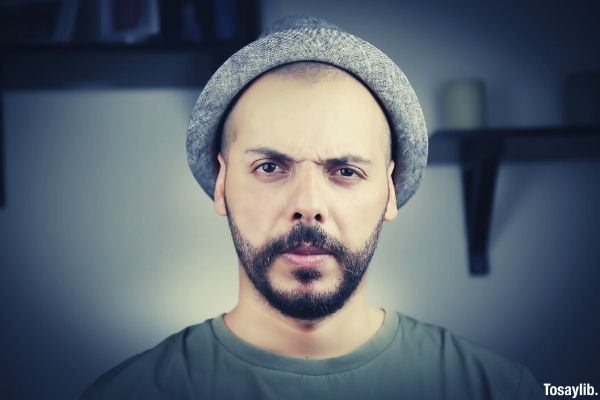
(391, 211)
(219, 194)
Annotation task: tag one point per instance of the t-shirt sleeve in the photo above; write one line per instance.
(131, 379)
(162, 372)
(529, 388)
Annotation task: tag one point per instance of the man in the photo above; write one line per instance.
(308, 139)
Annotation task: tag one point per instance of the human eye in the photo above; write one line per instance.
(347, 173)
(268, 168)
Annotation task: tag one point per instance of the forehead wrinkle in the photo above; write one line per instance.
(342, 159)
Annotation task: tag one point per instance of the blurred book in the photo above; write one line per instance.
(37, 21)
(163, 22)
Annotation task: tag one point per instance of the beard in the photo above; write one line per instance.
(304, 304)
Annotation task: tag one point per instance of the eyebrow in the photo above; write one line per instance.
(270, 153)
(282, 157)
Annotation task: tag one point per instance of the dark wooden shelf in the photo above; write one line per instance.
(479, 153)
(520, 144)
(72, 66)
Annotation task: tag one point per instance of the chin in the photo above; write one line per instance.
(306, 283)
(306, 299)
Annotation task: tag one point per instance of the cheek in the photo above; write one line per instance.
(254, 209)
(357, 213)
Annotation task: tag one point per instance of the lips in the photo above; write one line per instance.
(308, 250)
(306, 256)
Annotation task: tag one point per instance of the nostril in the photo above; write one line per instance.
(298, 216)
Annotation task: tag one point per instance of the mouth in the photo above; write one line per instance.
(306, 256)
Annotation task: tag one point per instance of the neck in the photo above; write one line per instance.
(255, 322)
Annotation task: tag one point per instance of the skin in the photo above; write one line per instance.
(315, 124)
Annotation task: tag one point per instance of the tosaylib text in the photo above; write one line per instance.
(583, 389)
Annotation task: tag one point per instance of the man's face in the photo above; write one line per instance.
(305, 184)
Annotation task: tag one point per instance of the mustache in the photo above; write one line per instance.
(313, 235)
(302, 234)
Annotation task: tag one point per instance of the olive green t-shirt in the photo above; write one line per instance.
(406, 359)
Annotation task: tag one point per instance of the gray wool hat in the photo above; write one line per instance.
(295, 39)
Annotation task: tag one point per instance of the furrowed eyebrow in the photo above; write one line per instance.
(270, 153)
(347, 159)
(330, 162)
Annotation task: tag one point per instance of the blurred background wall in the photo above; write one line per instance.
(107, 244)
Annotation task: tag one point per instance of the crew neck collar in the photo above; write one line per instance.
(266, 359)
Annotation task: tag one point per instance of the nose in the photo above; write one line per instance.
(306, 201)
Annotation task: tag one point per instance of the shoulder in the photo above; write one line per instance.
(160, 372)
(430, 338)
(461, 362)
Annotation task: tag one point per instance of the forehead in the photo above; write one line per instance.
(306, 115)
